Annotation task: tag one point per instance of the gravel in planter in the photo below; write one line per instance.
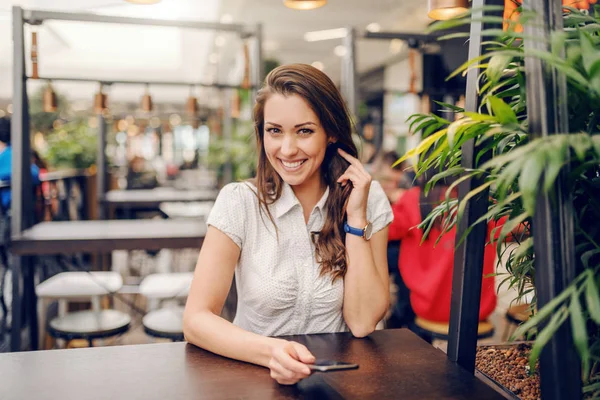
(509, 366)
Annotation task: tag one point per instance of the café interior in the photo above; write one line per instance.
(136, 113)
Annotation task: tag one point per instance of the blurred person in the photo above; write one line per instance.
(395, 183)
(427, 267)
(395, 179)
(6, 164)
(306, 238)
(140, 175)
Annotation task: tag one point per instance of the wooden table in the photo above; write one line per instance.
(66, 237)
(394, 364)
(153, 197)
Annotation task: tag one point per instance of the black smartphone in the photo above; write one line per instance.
(330, 365)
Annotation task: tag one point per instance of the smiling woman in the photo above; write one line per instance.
(306, 238)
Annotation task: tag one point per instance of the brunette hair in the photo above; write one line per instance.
(326, 102)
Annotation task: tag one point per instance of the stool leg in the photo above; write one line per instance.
(42, 305)
(97, 308)
(62, 311)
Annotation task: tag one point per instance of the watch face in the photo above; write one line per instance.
(368, 231)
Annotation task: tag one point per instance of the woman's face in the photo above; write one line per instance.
(294, 140)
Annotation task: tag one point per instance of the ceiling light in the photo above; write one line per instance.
(340, 50)
(396, 46)
(226, 19)
(446, 9)
(373, 27)
(143, 1)
(213, 58)
(271, 45)
(220, 41)
(318, 65)
(326, 34)
(304, 4)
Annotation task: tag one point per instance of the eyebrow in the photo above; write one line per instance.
(295, 126)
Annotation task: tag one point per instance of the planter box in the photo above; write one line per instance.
(505, 368)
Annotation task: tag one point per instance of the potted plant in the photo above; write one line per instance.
(518, 166)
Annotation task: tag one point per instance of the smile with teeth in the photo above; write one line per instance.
(291, 166)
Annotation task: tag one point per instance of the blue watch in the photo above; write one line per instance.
(365, 232)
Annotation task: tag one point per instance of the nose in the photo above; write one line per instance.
(289, 146)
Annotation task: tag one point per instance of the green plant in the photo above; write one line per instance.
(240, 150)
(72, 145)
(515, 167)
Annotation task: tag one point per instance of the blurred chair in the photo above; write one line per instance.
(430, 330)
(515, 316)
(164, 291)
(81, 286)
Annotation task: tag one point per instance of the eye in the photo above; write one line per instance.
(305, 131)
(273, 131)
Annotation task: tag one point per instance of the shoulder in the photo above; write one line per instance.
(238, 190)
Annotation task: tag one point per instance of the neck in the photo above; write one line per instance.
(3, 146)
(309, 194)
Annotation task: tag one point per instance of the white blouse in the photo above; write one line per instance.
(278, 285)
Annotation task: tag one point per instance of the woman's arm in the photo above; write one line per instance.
(203, 326)
(366, 283)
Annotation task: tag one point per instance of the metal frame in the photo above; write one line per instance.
(22, 205)
(553, 221)
(468, 257)
(553, 225)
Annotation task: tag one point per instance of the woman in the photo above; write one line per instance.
(283, 233)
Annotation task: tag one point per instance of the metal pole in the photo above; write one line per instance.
(101, 181)
(134, 82)
(22, 190)
(227, 135)
(468, 257)
(37, 17)
(553, 230)
(348, 81)
(257, 58)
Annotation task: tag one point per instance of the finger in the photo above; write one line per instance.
(304, 354)
(358, 180)
(279, 372)
(352, 160)
(289, 361)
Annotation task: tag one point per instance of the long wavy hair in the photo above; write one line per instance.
(326, 102)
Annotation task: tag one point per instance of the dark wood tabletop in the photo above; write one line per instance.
(153, 197)
(394, 364)
(66, 237)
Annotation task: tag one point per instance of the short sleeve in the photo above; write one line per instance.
(379, 211)
(228, 213)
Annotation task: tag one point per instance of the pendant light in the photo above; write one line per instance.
(100, 101)
(304, 4)
(34, 56)
(446, 9)
(49, 103)
(246, 79)
(147, 100)
(191, 105)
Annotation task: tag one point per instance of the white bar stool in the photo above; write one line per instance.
(166, 322)
(81, 286)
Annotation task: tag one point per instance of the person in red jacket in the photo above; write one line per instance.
(426, 267)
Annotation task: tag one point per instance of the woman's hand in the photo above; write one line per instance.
(288, 362)
(361, 183)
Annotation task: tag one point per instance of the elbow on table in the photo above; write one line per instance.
(361, 330)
